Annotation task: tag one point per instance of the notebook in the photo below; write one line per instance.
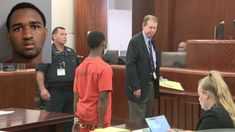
(158, 124)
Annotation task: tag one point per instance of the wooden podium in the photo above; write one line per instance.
(211, 55)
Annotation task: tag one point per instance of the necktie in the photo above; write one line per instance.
(150, 55)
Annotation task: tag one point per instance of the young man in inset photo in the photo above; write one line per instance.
(27, 32)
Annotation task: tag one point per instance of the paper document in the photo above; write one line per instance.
(170, 84)
(158, 124)
(142, 130)
(111, 129)
(2, 112)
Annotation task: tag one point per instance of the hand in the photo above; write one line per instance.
(75, 128)
(178, 130)
(137, 93)
(100, 125)
(171, 130)
(45, 95)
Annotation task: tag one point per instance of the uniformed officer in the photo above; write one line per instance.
(55, 80)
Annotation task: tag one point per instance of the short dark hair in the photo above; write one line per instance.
(24, 5)
(55, 30)
(94, 39)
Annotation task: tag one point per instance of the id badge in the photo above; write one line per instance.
(61, 72)
(154, 75)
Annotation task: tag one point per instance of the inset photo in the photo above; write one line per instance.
(25, 27)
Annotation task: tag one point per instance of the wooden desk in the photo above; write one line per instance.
(18, 89)
(189, 77)
(26, 120)
(181, 108)
(131, 127)
(138, 127)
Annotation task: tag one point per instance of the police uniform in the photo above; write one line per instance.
(59, 76)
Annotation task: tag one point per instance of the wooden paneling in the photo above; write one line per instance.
(181, 108)
(90, 15)
(18, 89)
(169, 105)
(164, 11)
(192, 19)
(119, 103)
(189, 78)
(179, 20)
(190, 111)
(140, 9)
(211, 54)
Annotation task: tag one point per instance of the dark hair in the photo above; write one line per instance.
(55, 30)
(24, 5)
(94, 39)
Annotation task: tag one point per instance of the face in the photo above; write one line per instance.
(60, 37)
(27, 33)
(150, 28)
(182, 47)
(203, 95)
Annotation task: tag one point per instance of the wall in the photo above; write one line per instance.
(119, 24)
(90, 15)
(140, 9)
(181, 20)
(63, 15)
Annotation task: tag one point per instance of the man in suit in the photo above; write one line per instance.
(142, 70)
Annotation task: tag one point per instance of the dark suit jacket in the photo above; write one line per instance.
(138, 69)
(216, 117)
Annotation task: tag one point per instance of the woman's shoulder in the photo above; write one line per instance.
(216, 117)
(217, 110)
(218, 114)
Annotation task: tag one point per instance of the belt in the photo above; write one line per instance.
(66, 89)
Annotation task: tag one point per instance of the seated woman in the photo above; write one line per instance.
(216, 99)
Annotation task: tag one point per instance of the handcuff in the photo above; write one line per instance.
(76, 121)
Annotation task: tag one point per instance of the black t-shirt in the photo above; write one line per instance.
(216, 117)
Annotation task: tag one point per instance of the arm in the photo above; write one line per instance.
(75, 101)
(75, 127)
(131, 68)
(179, 130)
(102, 106)
(76, 94)
(45, 95)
